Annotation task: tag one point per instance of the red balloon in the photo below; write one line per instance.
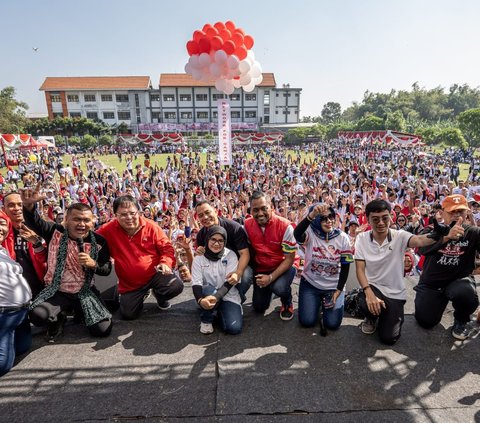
(216, 43)
(198, 35)
(225, 34)
(248, 40)
(211, 32)
(241, 52)
(220, 26)
(204, 45)
(205, 27)
(236, 77)
(192, 47)
(237, 38)
(240, 30)
(229, 47)
(230, 26)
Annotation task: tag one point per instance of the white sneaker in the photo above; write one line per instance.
(368, 326)
(206, 328)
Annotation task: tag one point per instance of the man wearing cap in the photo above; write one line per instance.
(447, 272)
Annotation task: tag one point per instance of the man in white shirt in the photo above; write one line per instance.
(379, 260)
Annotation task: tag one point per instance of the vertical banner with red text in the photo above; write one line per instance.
(224, 133)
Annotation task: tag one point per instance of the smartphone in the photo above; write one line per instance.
(328, 301)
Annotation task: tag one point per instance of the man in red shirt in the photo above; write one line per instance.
(143, 256)
(274, 247)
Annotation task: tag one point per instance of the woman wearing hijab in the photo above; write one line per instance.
(212, 292)
(15, 296)
(328, 255)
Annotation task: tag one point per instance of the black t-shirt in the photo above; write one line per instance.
(236, 235)
(445, 263)
(23, 259)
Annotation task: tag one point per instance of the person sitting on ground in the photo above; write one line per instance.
(144, 259)
(210, 284)
(75, 254)
(15, 295)
(447, 272)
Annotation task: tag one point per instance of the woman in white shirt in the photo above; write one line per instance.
(213, 294)
(15, 295)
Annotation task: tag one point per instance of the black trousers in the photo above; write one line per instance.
(430, 303)
(49, 310)
(164, 287)
(390, 321)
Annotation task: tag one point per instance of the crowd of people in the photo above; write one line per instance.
(272, 216)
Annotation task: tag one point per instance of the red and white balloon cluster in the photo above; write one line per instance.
(222, 52)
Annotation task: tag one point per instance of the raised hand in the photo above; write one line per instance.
(31, 196)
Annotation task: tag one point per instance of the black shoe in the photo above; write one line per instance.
(461, 331)
(164, 305)
(55, 329)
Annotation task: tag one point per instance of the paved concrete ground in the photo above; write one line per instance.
(159, 368)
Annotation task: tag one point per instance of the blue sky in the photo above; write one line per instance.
(334, 50)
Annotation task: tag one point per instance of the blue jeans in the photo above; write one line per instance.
(245, 283)
(15, 338)
(262, 297)
(229, 314)
(310, 299)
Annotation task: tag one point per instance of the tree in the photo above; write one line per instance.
(331, 112)
(396, 122)
(454, 137)
(105, 139)
(318, 131)
(469, 122)
(12, 112)
(370, 123)
(88, 141)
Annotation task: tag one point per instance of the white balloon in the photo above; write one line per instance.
(245, 79)
(256, 70)
(249, 88)
(204, 60)
(236, 83)
(244, 67)
(220, 84)
(188, 68)
(229, 88)
(215, 70)
(196, 74)
(220, 57)
(259, 80)
(233, 61)
(251, 55)
(193, 61)
(206, 77)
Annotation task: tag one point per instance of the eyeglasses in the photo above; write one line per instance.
(127, 215)
(216, 241)
(377, 219)
(330, 216)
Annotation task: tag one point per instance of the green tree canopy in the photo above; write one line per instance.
(12, 113)
(370, 123)
(469, 122)
(331, 112)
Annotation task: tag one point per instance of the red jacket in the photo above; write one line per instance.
(135, 257)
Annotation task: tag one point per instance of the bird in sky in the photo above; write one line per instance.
(35, 48)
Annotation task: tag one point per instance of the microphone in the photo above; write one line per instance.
(81, 246)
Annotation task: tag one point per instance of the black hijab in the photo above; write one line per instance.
(209, 254)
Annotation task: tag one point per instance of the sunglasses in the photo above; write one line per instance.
(330, 216)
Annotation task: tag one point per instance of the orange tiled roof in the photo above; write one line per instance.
(96, 83)
(185, 80)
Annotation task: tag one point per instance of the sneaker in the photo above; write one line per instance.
(206, 328)
(55, 329)
(368, 326)
(461, 331)
(286, 312)
(164, 305)
(147, 295)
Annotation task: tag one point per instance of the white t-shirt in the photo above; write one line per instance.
(322, 259)
(384, 263)
(14, 289)
(213, 273)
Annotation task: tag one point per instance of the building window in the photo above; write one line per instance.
(75, 115)
(250, 114)
(266, 98)
(276, 94)
(250, 97)
(89, 98)
(170, 115)
(123, 115)
(92, 115)
(202, 115)
(139, 120)
(121, 98)
(154, 97)
(276, 112)
(186, 115)
(156, 115)
(108, 115)
(216, 97)
(297, 94)
(168, 97)
(185, 97)
(58, 115)
(235, 114)
(55, 98)
(72, 98)
(266, 110)
(215, 115)
(286, 112)
(287, 95)
(266, 119)
(234, 97)
(201, 97)
(106, 97)
(137, 101)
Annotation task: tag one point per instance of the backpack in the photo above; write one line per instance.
(352, 303)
